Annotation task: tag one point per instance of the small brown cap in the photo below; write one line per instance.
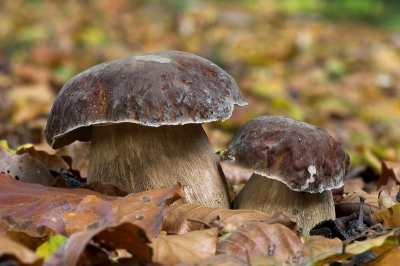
(162, 88)
(302, 156)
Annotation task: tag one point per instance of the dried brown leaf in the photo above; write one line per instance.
(36, 209)
(267, 240)
(28, 241)
(389, 170)
(175, 219)
(188, 247)
(13, 251)
(235, 174)
(351, 203)
(284, 220)
(53, 162)
(106, 188)
(231, 260)
(121, 236)
(145, 209)
(385, 201)
(317, 244)
(24, 168)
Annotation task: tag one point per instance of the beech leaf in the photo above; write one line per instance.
(188, 247)
(36, 209)
(175, 219)
(24, 168)
(378, 245)
(267, 240)
(145, 209)
(53, 162)
(13, 251)
(391, 216)
(108, 238)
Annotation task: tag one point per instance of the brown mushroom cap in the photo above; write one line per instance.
(302, 156)
(162, 88)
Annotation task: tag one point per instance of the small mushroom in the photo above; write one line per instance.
(143, 116)
(295, 165)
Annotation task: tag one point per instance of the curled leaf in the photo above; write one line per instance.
(108, 238)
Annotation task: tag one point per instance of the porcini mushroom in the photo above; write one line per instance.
(143, 116)
(295, 166)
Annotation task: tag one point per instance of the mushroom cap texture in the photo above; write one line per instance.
(302, 156)
(161, 88)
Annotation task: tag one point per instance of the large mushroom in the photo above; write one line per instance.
(143, 116)
(295, 166)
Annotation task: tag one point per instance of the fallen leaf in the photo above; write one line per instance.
(385, 201)
(175, 219)
(378, 245)
(284, 220)
(105, 188)
(188, 247)
(389, 170)
(351, 203)
(391, 258)
(108, 238)
(231, 260)
(317, 244)
(235, 174)
(53, 162)
(12, 252)
(391, 216)
(50, 246)
(24, 168)
(36, 209)
(267, 240)
(145, 209)
(28, 241)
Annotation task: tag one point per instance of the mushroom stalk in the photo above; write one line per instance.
(271, 196)
(138, 158)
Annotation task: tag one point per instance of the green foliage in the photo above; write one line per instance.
(49, 247)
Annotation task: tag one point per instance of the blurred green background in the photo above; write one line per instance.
(332, 63)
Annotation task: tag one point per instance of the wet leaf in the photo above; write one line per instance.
(145, 209)
(13, 251)
(175, 220)
(265, 240)
(24, 168)
(188, 247)
(84, 247)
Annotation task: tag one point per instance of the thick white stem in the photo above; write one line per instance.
(138, 158)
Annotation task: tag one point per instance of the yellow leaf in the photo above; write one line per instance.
(49, 247)
(391, 216)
